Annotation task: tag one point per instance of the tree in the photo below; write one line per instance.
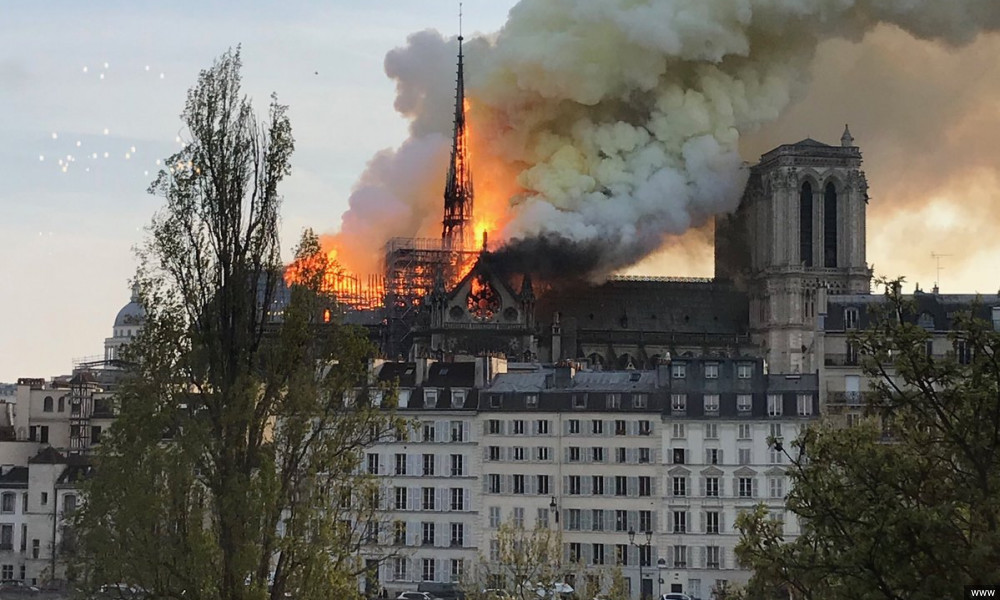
(523, 564)
(906, 504)
(234, 467)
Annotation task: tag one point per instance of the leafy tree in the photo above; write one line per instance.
(233, 469)
(523, 564)
(906, 504)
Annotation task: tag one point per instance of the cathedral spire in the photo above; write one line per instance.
(457, 231)
(847, 139)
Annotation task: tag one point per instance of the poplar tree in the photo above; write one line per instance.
(234, 468)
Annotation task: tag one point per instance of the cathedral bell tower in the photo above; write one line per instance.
(798, 235)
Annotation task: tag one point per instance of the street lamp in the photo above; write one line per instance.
(554, 509)
(631, 540)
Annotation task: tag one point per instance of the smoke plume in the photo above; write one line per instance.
(619, 120)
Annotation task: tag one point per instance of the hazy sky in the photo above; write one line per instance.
(99, 86)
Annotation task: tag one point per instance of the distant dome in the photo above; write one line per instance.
(132, 313)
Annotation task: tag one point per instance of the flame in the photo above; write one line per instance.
(348, 289)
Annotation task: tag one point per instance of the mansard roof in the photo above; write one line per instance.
(451, 374)
(17, 477)
(937, 310)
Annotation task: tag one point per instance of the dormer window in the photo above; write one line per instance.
(531, 400)
(678, 370)
(458, 398)
(430, 397)
(711, 370)
(850, 318)
(926, 321)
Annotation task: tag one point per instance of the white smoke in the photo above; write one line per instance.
(622, 117)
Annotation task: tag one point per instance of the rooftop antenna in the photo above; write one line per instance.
(937, 258)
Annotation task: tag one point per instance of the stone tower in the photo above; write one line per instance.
(798, 235)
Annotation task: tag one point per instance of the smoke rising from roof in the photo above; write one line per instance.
(621, 118)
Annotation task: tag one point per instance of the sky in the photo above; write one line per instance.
(90, 95)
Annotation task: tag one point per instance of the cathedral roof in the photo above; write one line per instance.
(132, 313)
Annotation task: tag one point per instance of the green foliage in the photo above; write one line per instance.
(234, 470)
(522, 564)
(906, 504)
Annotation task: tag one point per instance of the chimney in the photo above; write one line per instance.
(663, 371)
(565, 371)
(556, 338)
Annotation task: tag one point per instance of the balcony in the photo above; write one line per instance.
(840, 360)
(858, 399)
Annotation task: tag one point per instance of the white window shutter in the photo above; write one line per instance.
(701, 518)
(721, 461)
(754, 487)
(722, 522)
(701, 486)
(466, 499)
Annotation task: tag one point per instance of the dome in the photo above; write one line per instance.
(132, 313)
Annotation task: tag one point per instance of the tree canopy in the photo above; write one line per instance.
(233, 469)
(907, 503)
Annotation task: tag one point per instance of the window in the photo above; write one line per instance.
(597, 485)
(457, 465)
(579, 401)
(428, 464)
(614, 401)
(597, 520)
(8, 503)
(428, 570)
(678, 403)
(678, 456)
(744, 403)
(850, 318)
(805, 405)
(712, 557)
(621, 485)
(399, 568)
(573, 523)
(644, 455)
(597, 454)
(597, 551)
(621, 554)
(712, 487)
(542, 484)
(36, 547)
(430, 398)
(7, 571)
(427, 533)
(574, 485)
(711, 404)
(457, 534)
(69, 504)
(542, 453)
(495, 554)
(494, 481)
(645, 555)
(428, 498)
(963, 352)
(400, 464)
(711, 370)
(494, 517)
(575, 551)
(743, 455)
(457, 569)
(620, 455)
(542, 427)
(399, 533)
(712, 522)
(645, 486)
(678, 370)
(775, 430)
(574, 425)
(457, 431)
(774, 405)
(519, 484)
(7, 538)
(574, 454)
(680, 486)
(640, 400)
(645, 427)
(458, 398)
(680, 521)
(518, 427)
(743, 432)
(776, 487)
(744, 370)
(47, 404)
(745, 487)
(711, 431)
(496, 400)
(645, 520)
(621, 520)
(680, 556)
(373, 463)
(496, 427)
(62, 403)
(621, 427)
(597, 427)
(531, 400)
(430, 433)
(45, 498)
(679, 430)
(494, 453)
(542, 520)
(457, 499)
(852, 353)
(713, 456)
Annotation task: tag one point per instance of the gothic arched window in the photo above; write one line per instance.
(806, 224)
(830, 226)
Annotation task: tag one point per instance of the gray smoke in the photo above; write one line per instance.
(621, 119)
